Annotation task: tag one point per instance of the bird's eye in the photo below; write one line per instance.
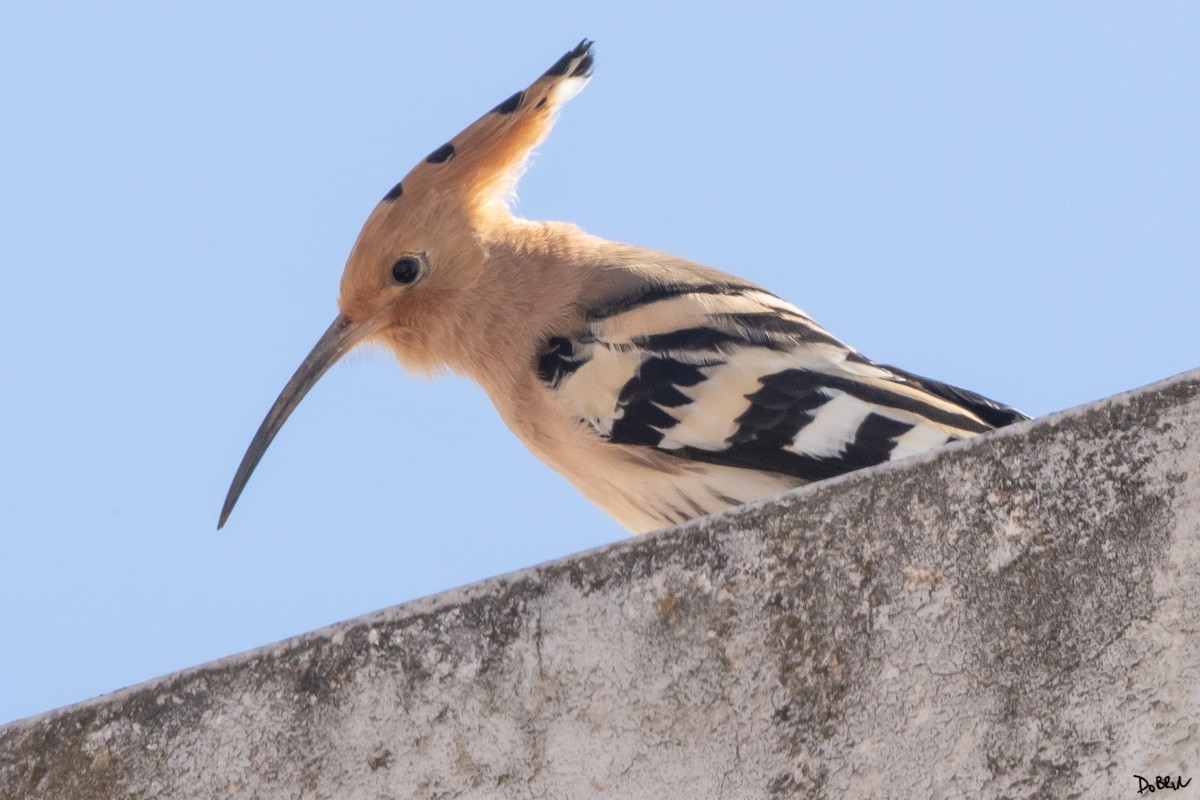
(406, 270)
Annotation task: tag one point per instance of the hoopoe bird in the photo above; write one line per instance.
(664, 390)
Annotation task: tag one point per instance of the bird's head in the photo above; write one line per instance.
(426, 245)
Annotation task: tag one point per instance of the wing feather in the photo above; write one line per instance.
(728, 374)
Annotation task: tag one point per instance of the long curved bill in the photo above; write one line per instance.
(339, 339)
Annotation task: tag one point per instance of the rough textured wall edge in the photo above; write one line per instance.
(455, 596)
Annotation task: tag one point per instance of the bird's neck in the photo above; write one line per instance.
(525, 293)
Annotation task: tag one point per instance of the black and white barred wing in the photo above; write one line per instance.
(733, 376)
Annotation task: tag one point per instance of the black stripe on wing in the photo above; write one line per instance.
(802, 380)
(702, 338)
(769, 327)
(557, 360)
(995, 414)
(777, 412)
(652, 294)
(787, 402)
(645, 397)
(774, 330)
(873, 444)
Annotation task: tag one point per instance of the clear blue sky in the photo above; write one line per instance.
(1003, 195)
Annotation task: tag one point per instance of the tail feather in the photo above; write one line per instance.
(995, 414)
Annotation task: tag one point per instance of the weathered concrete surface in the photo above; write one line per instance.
(1016, 616)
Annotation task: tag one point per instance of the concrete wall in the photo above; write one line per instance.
(1015, 616)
